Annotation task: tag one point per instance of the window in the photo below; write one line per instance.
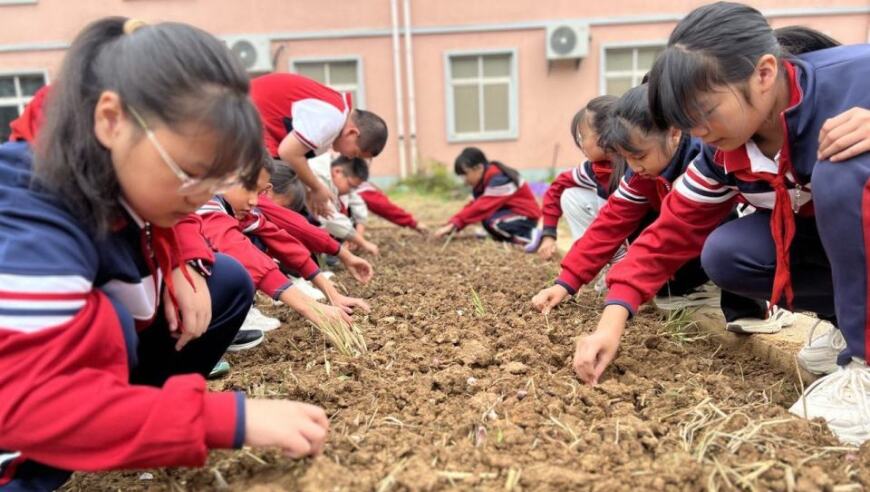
(481, 96)
(624, 68)
(341, 74)
(16, 90)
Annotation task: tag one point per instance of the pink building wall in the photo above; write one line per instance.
(35, 35)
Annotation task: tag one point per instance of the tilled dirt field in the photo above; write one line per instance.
(459, 394)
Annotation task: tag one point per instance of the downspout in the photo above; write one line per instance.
(409, 77)
(397, 75)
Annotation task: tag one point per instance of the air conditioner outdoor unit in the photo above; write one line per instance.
(567, 41)
(254, 52)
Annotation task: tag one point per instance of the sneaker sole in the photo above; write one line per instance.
(245, 346)
(764, 330)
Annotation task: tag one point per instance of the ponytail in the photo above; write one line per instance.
(472, 156)
(170, 72)
(796, 40)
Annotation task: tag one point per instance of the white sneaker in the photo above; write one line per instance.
(778, 319)
(256, 320)
(819, 355)
(308, 288)
(701, 298)
(842, 398)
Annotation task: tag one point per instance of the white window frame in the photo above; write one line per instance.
(634, 73)
(20, 101)
(360, 81)
(512, 133)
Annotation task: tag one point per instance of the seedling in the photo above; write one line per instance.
(479, 308)
(347, 339)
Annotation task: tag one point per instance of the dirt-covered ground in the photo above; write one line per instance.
(464, 386)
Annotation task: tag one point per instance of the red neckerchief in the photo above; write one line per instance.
(782, 225)
(602, 171)
(166, 251)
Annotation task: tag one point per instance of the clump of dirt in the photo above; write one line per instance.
(459, 394)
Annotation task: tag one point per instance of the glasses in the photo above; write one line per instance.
(189, 185)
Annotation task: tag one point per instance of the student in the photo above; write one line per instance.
(580, 192)
(303, 119)
(764, 120)
(380, 204)
(502, 201)
(656, 158)
(231, 223)
(98, 371)
(283, 205)
(341, 176)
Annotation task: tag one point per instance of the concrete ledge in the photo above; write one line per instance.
(777, 349)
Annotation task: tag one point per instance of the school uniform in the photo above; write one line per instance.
(339, 223)
(312, 237)
(806, 243)
(290, 103)
(380, 204)
(236, 238)
(89, 377)
(634, 205)
(578, 194)
(508, 211)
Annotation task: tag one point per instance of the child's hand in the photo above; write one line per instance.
(547, 248)
(322, 313)
(319, 199)
(845, 136)
(548, 298)
(298, 429)
(194, 307)
(359, 268)
(595, 352)
(422, 229)
(348, 304)
(370, 248)
(444, 230)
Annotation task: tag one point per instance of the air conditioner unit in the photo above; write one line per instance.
(567, 41)
(254, 52)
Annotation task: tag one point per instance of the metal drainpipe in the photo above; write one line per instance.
(397, 75)
(409, 77)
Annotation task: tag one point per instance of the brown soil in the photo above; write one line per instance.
(454, 397)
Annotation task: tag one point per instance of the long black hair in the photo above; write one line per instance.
(472, 156)
(716, 45)
(600, 109)
(795, 40)
(171, 72)
(285, 182)
(630, 111)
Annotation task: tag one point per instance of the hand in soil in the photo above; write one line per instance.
(422, 229)
(348, 304)
(330, 314)
(298, 429)
(548, 298)
(547, 248)
(360, 269)
(444, 230)
(194, 306)
(595, 352)
(370, 248)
